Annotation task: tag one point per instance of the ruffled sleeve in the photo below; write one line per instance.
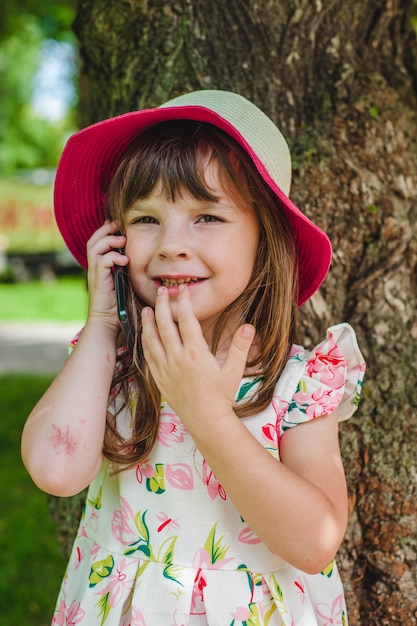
(315, 382)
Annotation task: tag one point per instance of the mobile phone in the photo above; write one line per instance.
(121, 280)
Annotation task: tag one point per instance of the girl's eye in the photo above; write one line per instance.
(209, 218)
(145, 219)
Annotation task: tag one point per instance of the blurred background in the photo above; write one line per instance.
(42, 290)
(43, 296)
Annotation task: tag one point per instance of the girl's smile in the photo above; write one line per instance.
(210, 246)
(173, 282)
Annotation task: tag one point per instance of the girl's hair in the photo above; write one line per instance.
(172, 155)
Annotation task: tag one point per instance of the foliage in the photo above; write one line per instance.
(63, 300)
(31, 565)
(28, 140)
(54, 16)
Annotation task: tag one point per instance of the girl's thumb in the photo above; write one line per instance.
(239, 349)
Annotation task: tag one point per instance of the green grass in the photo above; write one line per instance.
(62, 300)
(31, 566)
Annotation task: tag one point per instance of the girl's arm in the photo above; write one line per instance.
(63, 437)
(297, 507)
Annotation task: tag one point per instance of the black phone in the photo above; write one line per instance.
(121, 279)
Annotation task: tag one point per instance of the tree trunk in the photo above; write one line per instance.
(340, 79)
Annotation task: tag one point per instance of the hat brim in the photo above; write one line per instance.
(91, 156)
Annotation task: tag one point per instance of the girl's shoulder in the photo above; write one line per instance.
(316, 381)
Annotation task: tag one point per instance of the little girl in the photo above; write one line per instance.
(217, 493)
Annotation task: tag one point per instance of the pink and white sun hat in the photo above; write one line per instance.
(91, 156)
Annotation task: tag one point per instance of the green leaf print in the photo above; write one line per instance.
(104, 606)
(301, 387)
(215, 549)
(277, 595)
(156, 484)
(173, 572)
(328, 571)
(96, 502)
(247, 387)
(143, 542)
(168, 546)
(166, 555)
(276, 590)
(141, 526)
(100, 569)
(244, 568)
(254, 618)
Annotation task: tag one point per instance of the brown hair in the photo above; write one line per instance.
(172, 154)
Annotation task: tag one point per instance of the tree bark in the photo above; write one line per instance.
(340, 79)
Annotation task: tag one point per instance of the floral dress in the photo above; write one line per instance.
(162, 545)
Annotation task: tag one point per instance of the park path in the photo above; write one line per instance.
(36, 348)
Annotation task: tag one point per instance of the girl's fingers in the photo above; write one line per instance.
(101, 258)
(153, 349)
(188, 324)
(167, 328)
(106, 244)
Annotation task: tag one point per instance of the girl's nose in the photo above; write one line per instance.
(174, 243)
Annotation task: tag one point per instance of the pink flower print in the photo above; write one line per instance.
(69, 616)
(197, 600)
(214, 488)
(326, 400)
(280, 407)
(95, 550)
(328, 365)
(180, 618)
(171, 430)
(166, 522)
(300, 589)
(179, 476)
(252, 615)
(155, 476)
(134, 619)
(90, 523)
(144, 470)
(120, 582)
(123, 523)
(242, 614)
(248, 536)
(78, 557)
(204, 560)
(321, 402)
(270, 434)
(330, 615)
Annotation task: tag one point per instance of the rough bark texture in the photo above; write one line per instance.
(340, 79)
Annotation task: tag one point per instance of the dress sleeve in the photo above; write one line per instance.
(74, 342)
(324, 378)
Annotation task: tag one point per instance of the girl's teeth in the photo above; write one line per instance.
(170, 282)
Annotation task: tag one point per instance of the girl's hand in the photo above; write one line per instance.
(297, 507)
(188, 375)
(101, 259)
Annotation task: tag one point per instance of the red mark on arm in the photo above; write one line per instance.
(63, 440)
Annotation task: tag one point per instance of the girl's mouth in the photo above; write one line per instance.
(176, 282)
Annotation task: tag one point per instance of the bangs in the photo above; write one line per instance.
(172, 157)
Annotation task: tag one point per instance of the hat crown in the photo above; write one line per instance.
(256, 128)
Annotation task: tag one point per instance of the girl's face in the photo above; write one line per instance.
(210, 246)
